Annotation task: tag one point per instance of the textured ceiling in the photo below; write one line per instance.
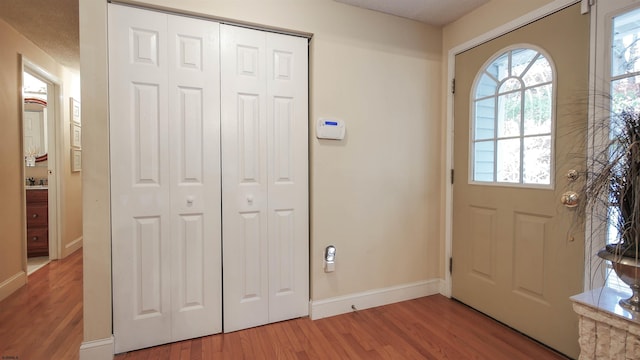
(433, 12)
(50, 24)
(53, 24)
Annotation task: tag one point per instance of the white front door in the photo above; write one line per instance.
(518, 253)
(264, 177)
(165, 177)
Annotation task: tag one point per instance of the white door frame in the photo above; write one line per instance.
(54, 151)
(488, 36)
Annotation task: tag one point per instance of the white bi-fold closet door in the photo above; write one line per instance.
(165, 177)
(180, 171)
(265, 177)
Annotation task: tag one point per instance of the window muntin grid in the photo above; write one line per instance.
(512, 120)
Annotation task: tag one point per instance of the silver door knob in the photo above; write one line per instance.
(569, 199)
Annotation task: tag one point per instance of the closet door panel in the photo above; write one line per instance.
(140, 178)
(244, 180)
(287, 119)
(194, 128)
(165, 161)
(265, 177)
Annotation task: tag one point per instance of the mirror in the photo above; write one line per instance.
(34, 120)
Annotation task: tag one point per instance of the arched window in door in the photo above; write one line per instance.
(513, 119)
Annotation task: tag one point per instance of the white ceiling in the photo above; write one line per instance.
(53, 24)
(433, 12)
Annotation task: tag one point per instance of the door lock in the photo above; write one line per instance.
(573, 175)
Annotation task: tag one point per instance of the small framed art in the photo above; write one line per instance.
(75, 111)
(76, 160)
(76, 136)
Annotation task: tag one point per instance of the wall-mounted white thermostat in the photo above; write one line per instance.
(330, 129)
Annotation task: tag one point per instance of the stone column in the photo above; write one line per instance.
(606, 330)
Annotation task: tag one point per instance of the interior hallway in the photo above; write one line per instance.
(43, 319)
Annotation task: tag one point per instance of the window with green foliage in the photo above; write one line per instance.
(625, 62)
(512, 120)
(624, 81)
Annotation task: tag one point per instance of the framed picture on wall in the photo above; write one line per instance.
(76, 136)
(76, 160)
(75, 111)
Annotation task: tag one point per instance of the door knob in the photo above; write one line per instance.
(569, 199)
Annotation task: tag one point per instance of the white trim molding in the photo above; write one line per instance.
(12, 284)
(73, 246)
(585, 6)
(101, 349)
(368, 299)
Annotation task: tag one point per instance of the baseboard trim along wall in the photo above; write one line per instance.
(97, 349)
(12, 284)
(71, 247)
(368, 299)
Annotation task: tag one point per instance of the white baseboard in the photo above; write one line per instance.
(445, 287)
(97, 349)
(368, 299)
(12, 284)
(72, 246)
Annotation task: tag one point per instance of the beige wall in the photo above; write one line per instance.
(486, 18)
(375, 195)
(12, 240)
(71, 182)
(95, 171)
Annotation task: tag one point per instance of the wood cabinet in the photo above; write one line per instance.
(37, 223)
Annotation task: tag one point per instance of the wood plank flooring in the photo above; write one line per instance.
(432, 327)
(43, 320)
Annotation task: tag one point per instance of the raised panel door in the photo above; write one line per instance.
(287, 123)
(165, 177)
(140, 186)
(194, 142)
(517, 251)
(265, 177)
(244, 179)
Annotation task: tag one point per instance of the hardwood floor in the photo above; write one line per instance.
(432, 327)
(43, 320)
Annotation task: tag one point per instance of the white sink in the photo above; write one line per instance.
(37, 187)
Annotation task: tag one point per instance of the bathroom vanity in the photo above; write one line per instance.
(37, 222)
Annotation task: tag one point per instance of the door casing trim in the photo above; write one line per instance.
(54, 86)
